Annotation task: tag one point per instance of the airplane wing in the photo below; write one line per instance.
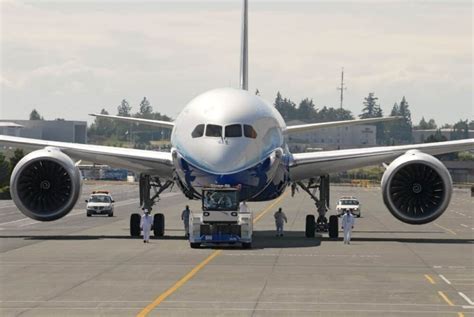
(307, 165)
(151, 162)
(332, 124)
(154, 123)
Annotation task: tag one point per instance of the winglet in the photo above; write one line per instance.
(244, 58)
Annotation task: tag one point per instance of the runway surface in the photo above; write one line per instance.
(89, 266)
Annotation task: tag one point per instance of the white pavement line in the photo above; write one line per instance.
(463, 225)
(467, 299)
(444, 279)
(468, 307)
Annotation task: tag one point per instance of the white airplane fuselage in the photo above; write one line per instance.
(231, 137)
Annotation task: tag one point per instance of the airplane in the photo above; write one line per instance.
(231, 137)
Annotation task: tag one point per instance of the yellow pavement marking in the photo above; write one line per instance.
(430, 279)
(446, 299)
(178, 284)
(444, 228)
(195, 270)
(460, 315)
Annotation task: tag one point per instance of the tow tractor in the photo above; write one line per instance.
(220, 221)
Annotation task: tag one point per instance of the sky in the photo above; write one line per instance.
(71, 58)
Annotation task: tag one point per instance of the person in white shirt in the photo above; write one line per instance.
(347, 225)
(244, 207)
(280, 219)
(145, 224)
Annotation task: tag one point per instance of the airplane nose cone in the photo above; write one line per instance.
(221, 156)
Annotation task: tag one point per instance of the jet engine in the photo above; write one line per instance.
(45, 184)
(416, 188)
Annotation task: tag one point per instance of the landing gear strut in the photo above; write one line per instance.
(147, 201)
(321, 224)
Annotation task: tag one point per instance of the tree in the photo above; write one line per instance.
(124, 109)
(471, 125)
(17, 156)
(286, 107)
(102, 126)
(34, 115)
(436, 137)
(400, 130)
(4, 171)
(372, 110)
(146, 110)
(257, 92)
(423, 125)
(460, 130)
(306, 111)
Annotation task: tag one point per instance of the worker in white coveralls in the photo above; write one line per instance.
(243, 207)
(347, 226)
(145, 225)
(185, 217)
(280, 219)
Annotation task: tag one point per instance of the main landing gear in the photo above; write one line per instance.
(321, 224)
(147, 201)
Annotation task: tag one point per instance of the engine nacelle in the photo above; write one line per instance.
(416, 188)
(45, 184)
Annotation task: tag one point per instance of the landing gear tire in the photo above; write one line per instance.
(135, 225)
(159, 225)
(88, 215)
(310, 226)
(194, 245)
(333, 227)
(111, 215)
(246, 245)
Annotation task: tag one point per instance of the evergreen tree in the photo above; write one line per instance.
(257, 92)
(34, 115)
(124, 109)
(400, 130)
(286, 107)
(146, 110)
(436, 137)
(460, 130)
(371, 108)
(102, 126)
(306, 111)
(123, 129)
(423, 125)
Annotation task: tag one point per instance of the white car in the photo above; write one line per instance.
(350, 203)
(100, 203)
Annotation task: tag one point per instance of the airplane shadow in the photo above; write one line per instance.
(265, 239)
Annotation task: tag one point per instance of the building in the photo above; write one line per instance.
(347, 137)
(51, 130)
(419, 136)
(10, 128)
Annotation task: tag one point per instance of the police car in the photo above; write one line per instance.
(100, 203)
(350, 203)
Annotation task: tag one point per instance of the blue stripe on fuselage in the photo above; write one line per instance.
(263, 181)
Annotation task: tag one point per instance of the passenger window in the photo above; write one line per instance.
(249, 131)
(214, 130)
(198, 131)
(233, 131)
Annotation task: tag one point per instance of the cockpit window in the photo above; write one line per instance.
(233, 131)
(198, 131)
(214, 130)
(249, 131)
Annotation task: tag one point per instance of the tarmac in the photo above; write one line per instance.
(90, 266)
